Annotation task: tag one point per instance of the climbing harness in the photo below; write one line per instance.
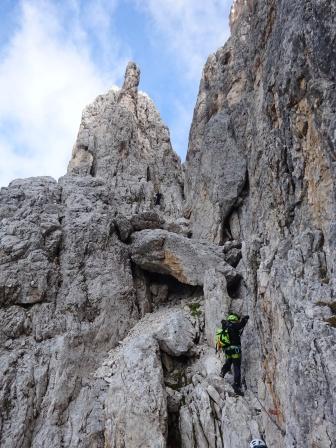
(233, 352)
(257, 443)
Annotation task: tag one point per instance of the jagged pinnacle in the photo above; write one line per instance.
(132, 77)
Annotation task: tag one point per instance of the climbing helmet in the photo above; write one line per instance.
(257, 443)
(233, 317)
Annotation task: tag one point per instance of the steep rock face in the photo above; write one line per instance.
(269, 94)
(123, 141)
(67, 287)
(136, 407)
(67, 297)
(109, 300)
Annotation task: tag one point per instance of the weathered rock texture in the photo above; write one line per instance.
(260, 169)
(123, 141)
(111, 284)
(67, 294)
(184, 259)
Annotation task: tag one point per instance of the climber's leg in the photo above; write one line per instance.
(226, 367)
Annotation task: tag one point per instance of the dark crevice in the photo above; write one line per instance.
(226, 229)
(123, 149)
(154, 290)
(174, 436)
(176, 289)
(234, 288)
(176, 377)
(226, 59)
(26, 306)
(246, 188)
(174, 286)
(158, 198)
(93, 169)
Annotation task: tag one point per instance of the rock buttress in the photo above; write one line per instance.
(266, 105)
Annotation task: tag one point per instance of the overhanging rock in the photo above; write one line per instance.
(185, 259)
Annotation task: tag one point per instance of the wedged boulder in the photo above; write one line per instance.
(126, 225)
(147, 220)
(172, 254)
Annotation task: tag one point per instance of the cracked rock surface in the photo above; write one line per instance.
(270, 95)
(114, 278)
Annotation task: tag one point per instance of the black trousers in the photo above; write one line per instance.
(236, 370)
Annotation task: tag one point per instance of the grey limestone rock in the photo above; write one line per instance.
(136, 402)
(67, 289)
(269, 94)
(67, 297)
(217, 302)
(147, 220)
(123, 141)
(172, 254)
(112, 284)
(123, 227)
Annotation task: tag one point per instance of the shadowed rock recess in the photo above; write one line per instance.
(114, 278)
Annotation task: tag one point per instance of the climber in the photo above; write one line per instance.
(232, 329)
(257, 443)
(158, 198)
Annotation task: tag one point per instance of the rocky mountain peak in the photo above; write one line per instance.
(123, 140)
(114, 279)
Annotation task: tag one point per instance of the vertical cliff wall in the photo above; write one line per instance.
(260, 168)
(113, 280)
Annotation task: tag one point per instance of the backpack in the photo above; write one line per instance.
(222, 339)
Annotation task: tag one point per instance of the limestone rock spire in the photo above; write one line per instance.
(129, 93)
(132, 78)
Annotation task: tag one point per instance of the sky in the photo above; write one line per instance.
(56, 56)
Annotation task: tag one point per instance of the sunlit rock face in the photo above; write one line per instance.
(238, 9)
(67, 292)
(122, 140)
(114, 279)
(267, 105)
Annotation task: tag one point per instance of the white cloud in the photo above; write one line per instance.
(47, 76)
(59, 58)
(189, 30)
(192, 28)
